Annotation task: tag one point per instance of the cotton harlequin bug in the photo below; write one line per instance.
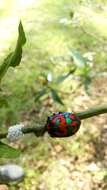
(62, 124)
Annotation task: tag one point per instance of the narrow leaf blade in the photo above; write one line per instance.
(63, 77)
(56, 97)
(17, 54)
(14, 58)
(39, 94)
(22, 37)
(80, 61)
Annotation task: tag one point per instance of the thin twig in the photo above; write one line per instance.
(92, 112)
(39, 131)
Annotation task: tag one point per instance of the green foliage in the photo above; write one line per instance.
(3, 101)
(40, 93)
(50, 86)
(7, 151)
(14, 58)
(56, 97)
(84, 69)
(62, 78)
(78, 58)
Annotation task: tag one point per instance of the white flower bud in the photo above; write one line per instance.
(15, 132)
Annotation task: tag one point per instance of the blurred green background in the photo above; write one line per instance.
(63, 68)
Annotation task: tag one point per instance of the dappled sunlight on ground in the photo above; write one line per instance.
(97, 20)
(13, 11)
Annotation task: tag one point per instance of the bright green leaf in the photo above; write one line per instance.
(84, 71)
(7, 151)
(56, 97)
(14, 58)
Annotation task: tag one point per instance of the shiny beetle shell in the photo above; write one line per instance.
(63, 124)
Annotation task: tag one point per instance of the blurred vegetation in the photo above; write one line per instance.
(64, 67)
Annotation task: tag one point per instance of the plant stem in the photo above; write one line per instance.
(92, 112)
(3, 135)
(40, 130)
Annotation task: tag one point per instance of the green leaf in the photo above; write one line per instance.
(14, 58)
(3, 102)
(56, 97)
(80, 61)
(63, 77)
(84, 71)
(7, 151)
(39, 94)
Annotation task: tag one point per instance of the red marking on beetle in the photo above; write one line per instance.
(63, 120)
(53, 121)
(63, 130)
(74, 123)
(72, 116)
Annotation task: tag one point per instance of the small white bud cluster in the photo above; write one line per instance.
(15, 132)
